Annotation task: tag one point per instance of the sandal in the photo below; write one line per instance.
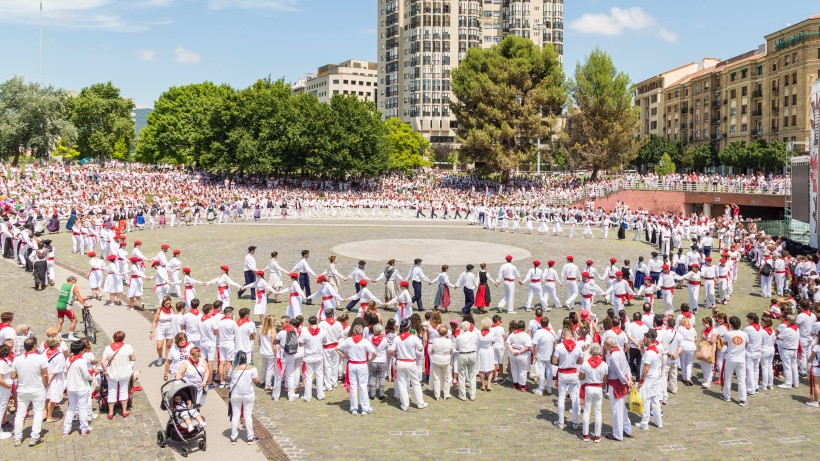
(110, 416)
(125, 414)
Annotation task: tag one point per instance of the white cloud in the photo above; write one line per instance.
(185, 56)
(75, 14)
(619, 20)
(281, 5)
(667, 35)
(147, 55)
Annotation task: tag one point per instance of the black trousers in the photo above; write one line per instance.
(417, 295)
(250, 277)
(469, 300)
(634, 358)
(304, 283)
(352, 304)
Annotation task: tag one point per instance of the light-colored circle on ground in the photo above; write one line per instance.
(432, 251)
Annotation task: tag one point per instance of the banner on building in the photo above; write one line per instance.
(814, 153)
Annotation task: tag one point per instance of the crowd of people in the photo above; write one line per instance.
(368, 338)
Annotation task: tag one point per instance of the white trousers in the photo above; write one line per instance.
(738, 369)
(620, 417)
(545, 375)
(667, 300)
(358, 375)
(805, 344)
(289, 376)
(77, 403)
(536, 292)
(651, 406)
(707, 369)
(709, 288)
(790, 373)
(686, 361)
(38, 402)
(593, 397)
(242, 404)
(572, 292)
(766, 286)
(407, 375)
(568, 383)
(331, 368)
(551, 294)
(508, 300)
(767, 368)
(694, 295)
(519, 365)
(752, 372)
(314, 369)
(267, 369)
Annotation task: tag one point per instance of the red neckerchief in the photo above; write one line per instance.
(356, 338)
(515, 332)
(755, 326)
(50, 352)
(615, 349)
(182, 347)
(707, 331)
(344, 325)
(575, 326)
(192, 362)
(805, 311)
(688, 315)
(725, 325)
(376, 339)
(242, 321)
(457, 332)
(330, 320)
(638, 322)
(768, 330)
(537, 320)
(166, 311)
(569, 345)
(194, 311)
(594, 361)
(793, 327)
(4, 325)
(29, 353)
(653, 347)
(116, 346)
(314, 331)
(74, 358)
(205, 317)
(617, 330)
(472, 327)
(485, 331)
(289, 328)
(496, 324)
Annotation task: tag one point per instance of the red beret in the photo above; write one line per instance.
(363, 283)
(550, 263)
(91, 254)
(590, 262)
(155, 263)
(187, 270)
(665, 266)
(165, 246)
(294, 275)
(137, 242)
(404, 283)
(133, 259)
(612, 260)
(619, 273)
(225, 268)
(570, 258)
(585, 274)
(260, 272)
(320, 279)
(176, 252)
(112, 257)
(536, 263)
(508, 258)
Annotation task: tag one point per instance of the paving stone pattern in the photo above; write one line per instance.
(498, 425)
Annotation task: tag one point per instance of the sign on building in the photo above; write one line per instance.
(814, 153)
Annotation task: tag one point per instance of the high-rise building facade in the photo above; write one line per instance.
(762, 94)
(422, 41)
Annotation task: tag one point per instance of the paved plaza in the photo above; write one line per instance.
(504, 424)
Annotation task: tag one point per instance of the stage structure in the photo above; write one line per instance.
(814, 153)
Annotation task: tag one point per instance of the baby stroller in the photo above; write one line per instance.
(175, 429)
(102, 393)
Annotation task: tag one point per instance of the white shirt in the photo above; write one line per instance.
(407, 347)
(467, 341)
(191, 324)
(507, 272)
(653, 359)
(755, 344)
(29, 372)
(441, 351)
(313, 344)
(467, 280)
(242, 340)
(735, 341)
(302, 267)
(250, 263)
(544, 340)
(568, 359)
(227, 331)
(77, 378)
(358, 351)
(416, 275)
(242, 382)
(595, 375)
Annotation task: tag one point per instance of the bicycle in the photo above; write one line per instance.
(89, 327)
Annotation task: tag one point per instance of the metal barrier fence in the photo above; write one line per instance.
(795, 230)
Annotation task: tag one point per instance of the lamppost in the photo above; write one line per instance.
(539, 28)
(41, 42)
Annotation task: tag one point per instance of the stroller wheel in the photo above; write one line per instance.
(203, 444)
(161, 439)
(184, 452)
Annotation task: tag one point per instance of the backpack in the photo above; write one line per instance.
(291, 343)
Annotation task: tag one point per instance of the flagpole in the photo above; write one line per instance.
(41, 42)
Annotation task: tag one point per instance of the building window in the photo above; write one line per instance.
(743, 128)
(794, 99)
(785, 121)
(794, 78)
(794, 120)
(336, 81)
(733, 76)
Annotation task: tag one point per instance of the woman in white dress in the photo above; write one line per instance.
(113, 282)
(332, 275)
(223, 286)
(276, 272)
(485, 357)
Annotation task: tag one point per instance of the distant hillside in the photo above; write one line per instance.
(141, 119)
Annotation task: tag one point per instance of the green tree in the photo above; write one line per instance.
(408, 149)
(665, 165)
(696, 157)
(507, 96)
(603, 122)
(105, 128)
(33, 119)
(774, 156)
(182, 125)
(358, 138)
(653, 147)
(735, 154)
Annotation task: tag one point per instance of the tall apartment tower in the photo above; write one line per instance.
(422, 41)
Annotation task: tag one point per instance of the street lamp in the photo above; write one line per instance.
(41, 42)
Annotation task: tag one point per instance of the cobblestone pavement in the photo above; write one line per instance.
(118, 439)
(498, 425)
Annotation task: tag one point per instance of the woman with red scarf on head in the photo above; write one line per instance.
(118, 365)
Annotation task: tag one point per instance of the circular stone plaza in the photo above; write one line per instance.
(503, 424)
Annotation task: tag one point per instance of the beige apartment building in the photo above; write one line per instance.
(350, 77)
(421, 41)
(762, 94)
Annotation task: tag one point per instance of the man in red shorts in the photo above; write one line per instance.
(69, 293)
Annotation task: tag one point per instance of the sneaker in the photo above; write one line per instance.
(574, 426)
(584, 437)
(18, 442)
(538, 392)
(253, 440)
(784, 386)
(742, 403)
(642, 426)
(35, 442)
(813, 404)
(354, 412)
(203, 424)
(159, 361)
(423, 405)
(71, 337)
(596, 439)
(85, 432)
(403, 408)
(95, 416)
(558, 425)
(66, 434)
(369, 410)
(233, 441)
(728, 399)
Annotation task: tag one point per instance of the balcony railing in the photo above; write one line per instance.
(757, 93)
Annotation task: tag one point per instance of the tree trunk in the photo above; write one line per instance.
(594, 175)
(16, 156)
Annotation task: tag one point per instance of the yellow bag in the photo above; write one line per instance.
(635, 402)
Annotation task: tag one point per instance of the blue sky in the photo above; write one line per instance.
(145, 46)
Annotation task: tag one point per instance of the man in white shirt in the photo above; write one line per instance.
(650, 381)
(535, 278)
(415, 277)
(357, 350)
(569, 276)
(31, 372)
(226, 334)
(567, 356)
(405, 347)
(619, 381)
(635, 331)
(245, 334)
(303, 269)
(333, 334)
(805, 321)
(467, 346)
(250, 271)
(754, 350)
(315, 339)
(468, 280)
(593, 373)
(789, 339)
(357, 275)
(735, 362)
(508, 274)
(544, 340)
